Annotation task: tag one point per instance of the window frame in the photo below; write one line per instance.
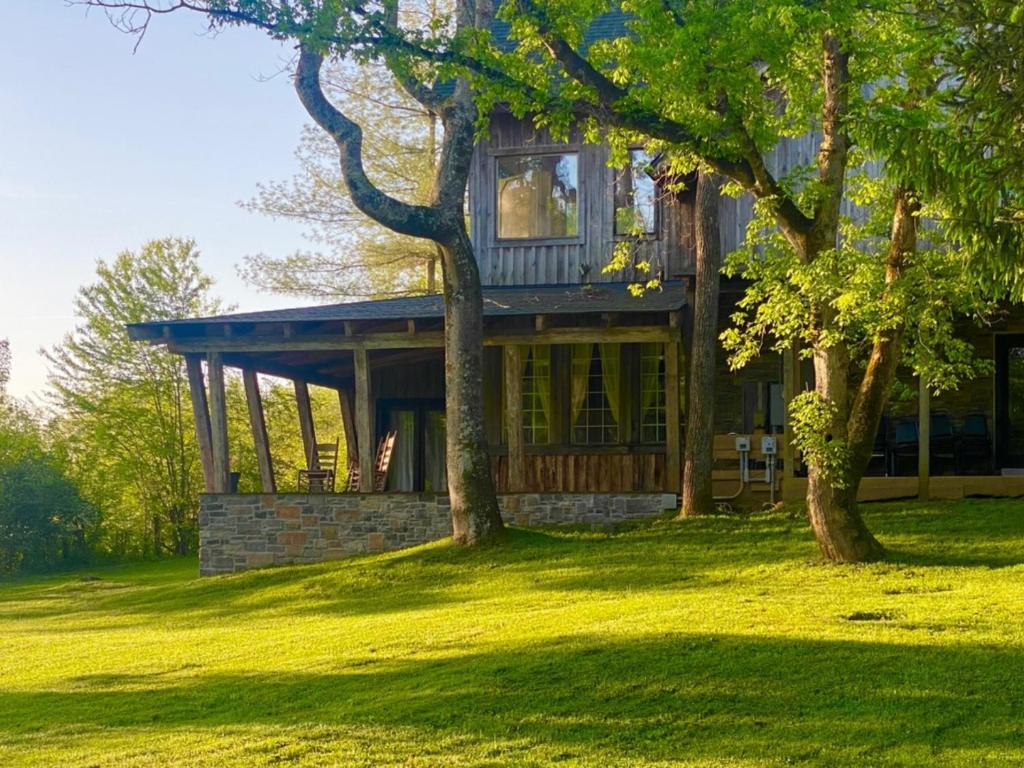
(621, 438)
(655, 233)
(540, 151)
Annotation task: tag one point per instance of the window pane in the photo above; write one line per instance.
(537, 196)
(635, 196)
(652, 393)
(537, 396)
(597, 422)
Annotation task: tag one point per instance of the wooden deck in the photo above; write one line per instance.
(939, 487)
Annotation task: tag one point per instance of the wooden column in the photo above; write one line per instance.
(514, 416)
(306, 422)
(673, 465)
(218, 424)
(790, 389)
(258, 424)
(348, 423)
(364, 419)
(924, 431)
(201, 416)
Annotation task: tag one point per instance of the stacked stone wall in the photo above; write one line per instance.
(241, 532)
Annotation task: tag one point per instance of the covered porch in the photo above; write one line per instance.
(576, 387)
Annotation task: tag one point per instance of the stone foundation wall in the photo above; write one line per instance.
(240, 532)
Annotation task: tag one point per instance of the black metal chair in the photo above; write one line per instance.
(941, 443)
(904, 445)
(975, 454)
(880, 449)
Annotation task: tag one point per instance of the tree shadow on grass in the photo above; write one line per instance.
(674, 697)
(968, 533)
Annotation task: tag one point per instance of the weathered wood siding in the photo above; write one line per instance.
(530, 262)
(608, 472)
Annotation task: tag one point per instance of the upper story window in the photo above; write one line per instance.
(538, 196)
(636, 201)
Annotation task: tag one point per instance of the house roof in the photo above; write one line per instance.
(498, 302)
(606, 26)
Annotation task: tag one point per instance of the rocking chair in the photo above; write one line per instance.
(323, 467)
(381, 465)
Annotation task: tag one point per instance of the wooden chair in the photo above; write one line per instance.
(381, 465)
(320, 476)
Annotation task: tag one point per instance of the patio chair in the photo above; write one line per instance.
(320, 476)
(381, 465)
(880, 449)
(941, 442)
(975, 452)
(904, 445)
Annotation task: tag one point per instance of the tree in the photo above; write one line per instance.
(698, 448)
(125, 417)
(43, 518)
(720, 86)
(355, 257)
(339, 29)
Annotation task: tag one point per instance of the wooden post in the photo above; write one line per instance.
(258, 424)
(673, 465)
(924, 431)
(364, 420)
(218, 424)
(306, 423)
(201, 416)
(348, 423)
(514, 416)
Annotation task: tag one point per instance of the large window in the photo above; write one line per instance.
(537, 396)
(636, 201)
(652, 393)
(537, 196)
(596, 395)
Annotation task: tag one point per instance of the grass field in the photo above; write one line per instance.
(714, 642)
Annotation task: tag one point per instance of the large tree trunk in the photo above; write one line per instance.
(698, 448)
(832, 498)
(832, 492)
(474, 505)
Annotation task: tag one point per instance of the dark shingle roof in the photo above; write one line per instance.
(498, 302)
(607, 26)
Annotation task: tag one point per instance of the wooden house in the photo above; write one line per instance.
(584, 383)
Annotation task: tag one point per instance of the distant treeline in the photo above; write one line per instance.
(108, 468)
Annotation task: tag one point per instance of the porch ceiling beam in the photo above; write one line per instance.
(427, 339)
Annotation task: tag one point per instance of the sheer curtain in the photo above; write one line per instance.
(542, 380)
(401, 476)
(610, 376)
(581, 354)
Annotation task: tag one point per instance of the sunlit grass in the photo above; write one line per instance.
(716, 642)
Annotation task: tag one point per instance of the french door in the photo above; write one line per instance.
(418, 461)
(1009, 416)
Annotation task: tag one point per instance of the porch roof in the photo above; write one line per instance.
(515, 301)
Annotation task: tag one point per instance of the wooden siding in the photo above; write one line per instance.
(530, 262)
(586, 472)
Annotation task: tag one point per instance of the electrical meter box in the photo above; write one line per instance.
(768, 445)
(743, 444)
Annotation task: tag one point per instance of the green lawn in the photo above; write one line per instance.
(715, 642)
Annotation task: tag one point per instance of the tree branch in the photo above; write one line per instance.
(415, 220)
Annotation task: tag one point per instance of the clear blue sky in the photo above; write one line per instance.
(102, 149)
